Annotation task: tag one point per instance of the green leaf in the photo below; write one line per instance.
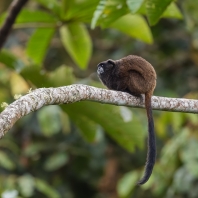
(142, 9)
(134, 5)
(86, 126)
(97, 13)
(10, 144)
(124, 133)
(127, 183)
(189, 157)
(52, 5)
(65, 123)
(6, 162)
(10, 60)
(171, 149)
(155, 9)
(33, 74)
(56, 161)
(34, 149)
(106, 21)
(77, 42)
(113, 11)
(134, 26)
(79, 11)
(49, 120)
(65, 6)
(38, 44)
(26, 184)
(62, 76)
(46, 189)
(183, 181)
(172, 11)
(36, 16)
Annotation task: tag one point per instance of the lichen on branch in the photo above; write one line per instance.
(77, 92)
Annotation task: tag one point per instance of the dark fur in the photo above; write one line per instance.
(134, 75)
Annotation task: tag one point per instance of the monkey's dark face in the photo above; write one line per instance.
(105, 68)
(106, 73)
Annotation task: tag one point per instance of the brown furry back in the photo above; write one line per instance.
(140, 74)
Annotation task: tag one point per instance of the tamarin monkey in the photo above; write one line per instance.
(136, 76)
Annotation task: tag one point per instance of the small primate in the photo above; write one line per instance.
(136, 76)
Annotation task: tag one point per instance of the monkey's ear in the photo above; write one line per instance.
(111, 63)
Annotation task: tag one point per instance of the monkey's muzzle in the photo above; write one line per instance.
(100, 70)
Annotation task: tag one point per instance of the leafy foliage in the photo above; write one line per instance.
(127, 184)
(134, 5)
(155, 9)
(38, 43)
(10, 61)
(68, 18)
(98, 12)
(137, 29)
(74, 36)
(53, 152)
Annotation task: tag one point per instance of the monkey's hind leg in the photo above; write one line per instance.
(136, 95)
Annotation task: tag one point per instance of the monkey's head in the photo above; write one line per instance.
(106, 68)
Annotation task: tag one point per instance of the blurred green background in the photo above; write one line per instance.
(92, 150)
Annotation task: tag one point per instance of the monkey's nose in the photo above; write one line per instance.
(100, 70)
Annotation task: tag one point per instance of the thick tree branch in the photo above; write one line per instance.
(14, 10)
(73, 93)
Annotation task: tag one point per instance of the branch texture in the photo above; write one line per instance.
(14, 10)
(74, 93)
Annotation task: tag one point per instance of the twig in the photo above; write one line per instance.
(14, 10)
(74, 93)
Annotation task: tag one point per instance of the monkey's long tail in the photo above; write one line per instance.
(151, 154)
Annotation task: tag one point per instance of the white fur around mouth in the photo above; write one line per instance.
(100, 70)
